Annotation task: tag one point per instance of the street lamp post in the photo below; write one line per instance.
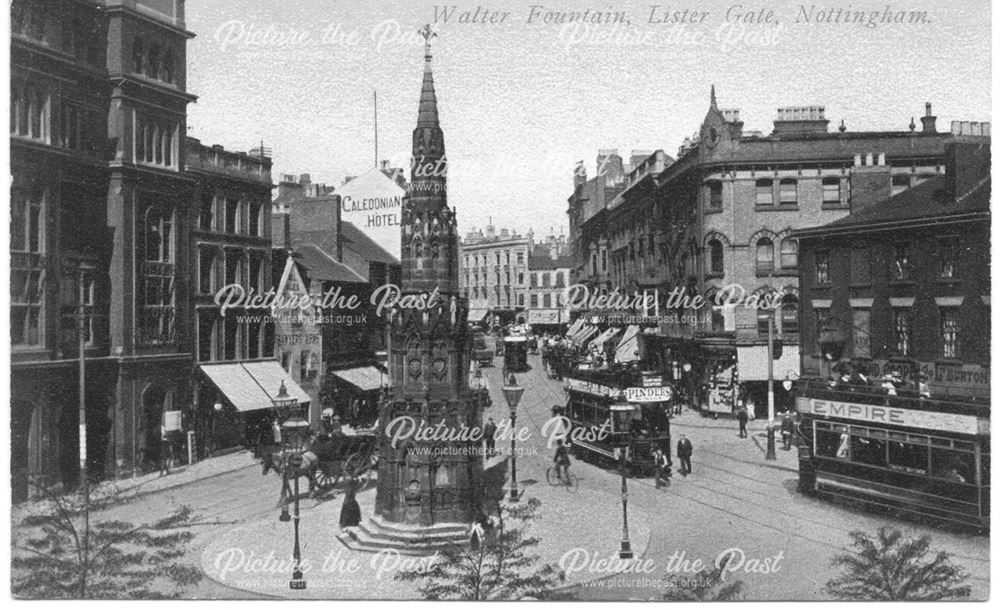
(621, 424)
(512, 394)
(294, 431)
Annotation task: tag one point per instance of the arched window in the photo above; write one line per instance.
(789, 314)
(765, 256)
(716, 259)
(789, 254)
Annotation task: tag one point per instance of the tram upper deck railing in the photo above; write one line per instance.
(905, 398)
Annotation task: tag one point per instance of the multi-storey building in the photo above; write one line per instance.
(903, 286)
(494, 272)
(104, 234)
(723, 214)
(549, 270)
(587, 214)
(231, 256)
(895, 399)
(338, 259)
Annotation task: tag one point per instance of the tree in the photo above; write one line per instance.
(57, 552)
(709, 587)
(500, 567)
(889, 567)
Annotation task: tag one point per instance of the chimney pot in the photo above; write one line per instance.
(929, 121)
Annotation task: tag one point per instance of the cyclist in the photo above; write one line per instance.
(561, 460)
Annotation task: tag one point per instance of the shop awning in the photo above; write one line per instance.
(365, 378)
(628, 345)
(250, 386)
(581, 337)
(752, 363)
(604, 337)
(477, 315)
(574, 327)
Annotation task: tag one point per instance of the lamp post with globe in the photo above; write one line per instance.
(621, 427)
(294, 432)
(512, 394)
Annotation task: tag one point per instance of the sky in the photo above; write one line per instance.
(521, 101)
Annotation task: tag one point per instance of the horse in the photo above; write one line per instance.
(273, 457)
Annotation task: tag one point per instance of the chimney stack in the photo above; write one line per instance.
(929, 121)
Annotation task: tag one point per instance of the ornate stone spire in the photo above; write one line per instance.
(427, 115)
(714, 104)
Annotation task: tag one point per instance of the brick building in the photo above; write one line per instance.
(903, 285)
(721, 215)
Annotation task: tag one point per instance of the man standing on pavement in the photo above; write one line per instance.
(743, 417)
(684, 449)
(661, 462)
(490, 431)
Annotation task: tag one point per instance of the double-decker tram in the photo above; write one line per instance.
(917, 456)
(591, 393)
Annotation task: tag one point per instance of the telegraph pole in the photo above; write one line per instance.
(82, 341)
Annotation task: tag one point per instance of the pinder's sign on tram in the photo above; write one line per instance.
(931, 420)
(660, 394)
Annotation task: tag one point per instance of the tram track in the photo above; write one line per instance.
(716, 497)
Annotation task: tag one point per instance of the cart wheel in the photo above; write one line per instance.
(358, 466)
(325, 477)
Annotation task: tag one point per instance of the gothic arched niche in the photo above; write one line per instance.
(413, 358)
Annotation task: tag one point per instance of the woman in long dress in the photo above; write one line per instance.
(350, 512)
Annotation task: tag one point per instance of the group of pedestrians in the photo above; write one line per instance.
(662, 462)
(787, 426)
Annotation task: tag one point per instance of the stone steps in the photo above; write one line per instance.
(374, 535)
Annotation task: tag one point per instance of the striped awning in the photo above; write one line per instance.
(604, 337)
(752, 362)
(251, 386)
(477, 315)
(581, 337)
(574, 327)
(628, 345)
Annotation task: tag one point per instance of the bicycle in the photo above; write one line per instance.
(570, 482)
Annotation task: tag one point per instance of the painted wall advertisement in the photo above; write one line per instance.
(372, 202)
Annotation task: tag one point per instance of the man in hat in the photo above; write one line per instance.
(489, 433)
(684, 450)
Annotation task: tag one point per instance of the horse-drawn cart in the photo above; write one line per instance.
(342, 455)
(326, 460)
